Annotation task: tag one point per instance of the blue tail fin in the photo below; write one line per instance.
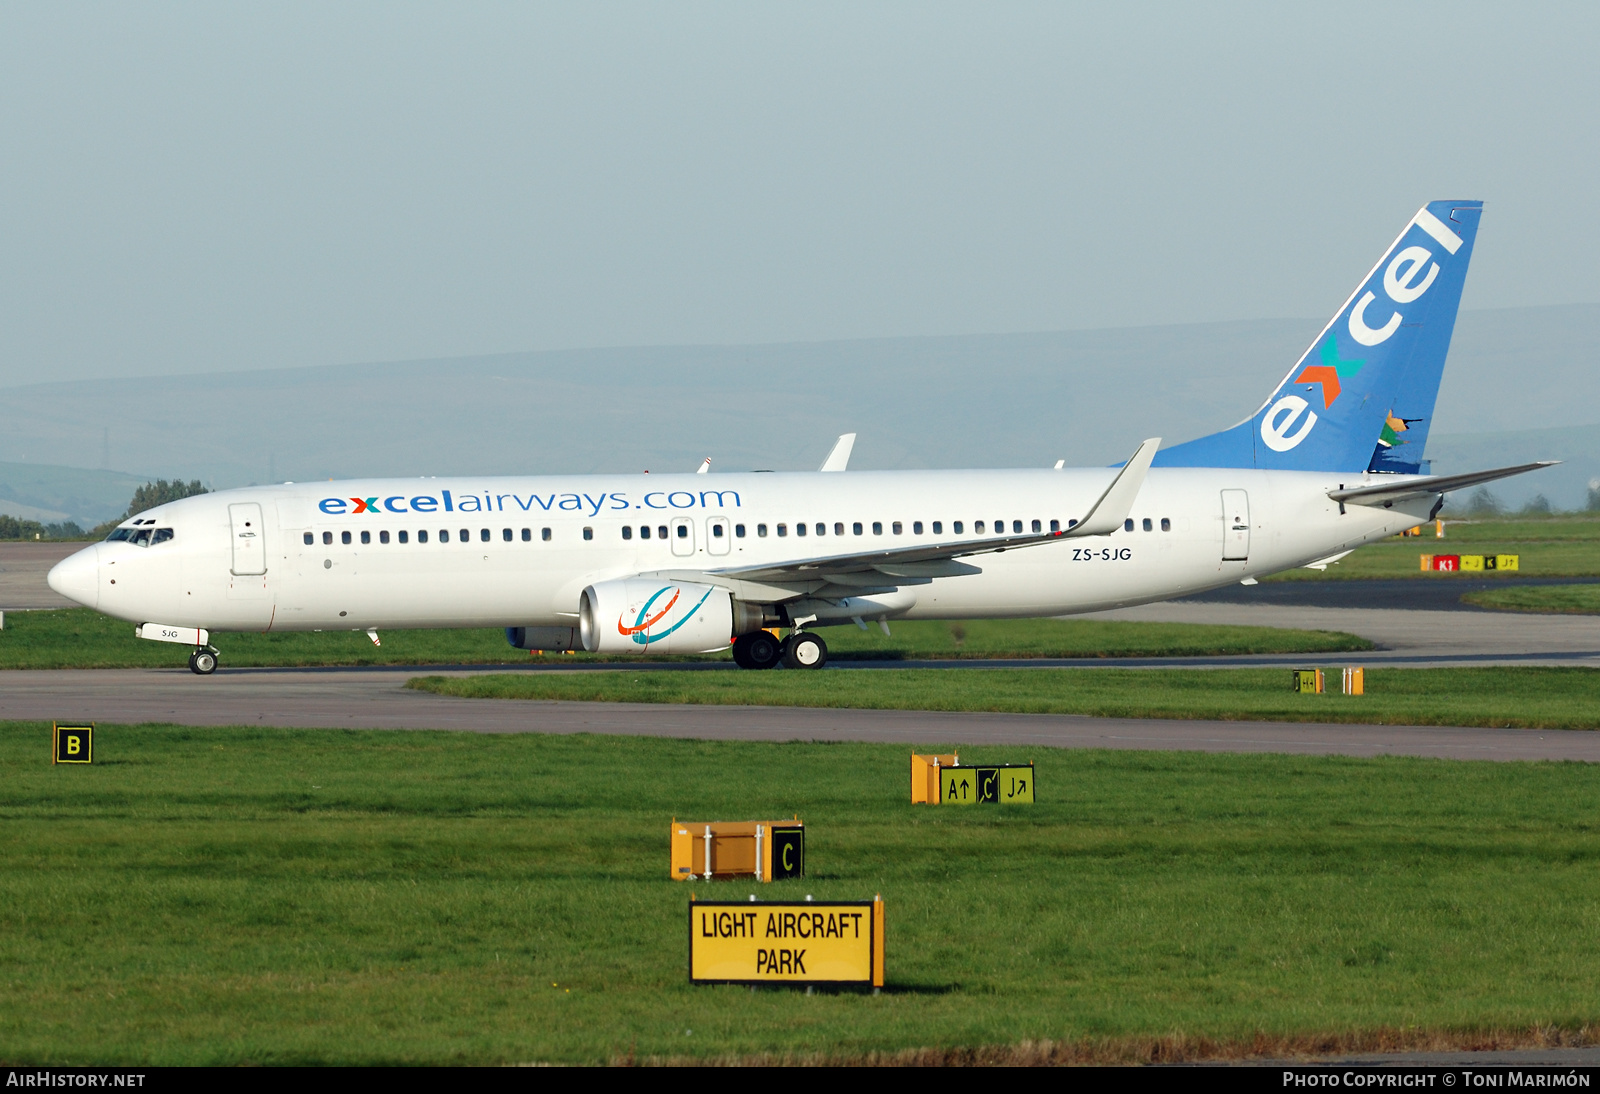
(1361, 398)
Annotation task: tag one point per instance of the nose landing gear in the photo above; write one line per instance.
(203, 661)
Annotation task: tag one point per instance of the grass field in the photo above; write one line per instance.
(1560, 546)
(1563, 599)
(1540, 698)
(79, 638)
(241, 895)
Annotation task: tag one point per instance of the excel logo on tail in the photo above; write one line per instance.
(1408, 275)
(1291, 417)
(653, 613)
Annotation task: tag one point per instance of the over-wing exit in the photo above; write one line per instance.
(669, 564)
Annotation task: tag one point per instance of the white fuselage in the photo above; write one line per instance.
(515, 552)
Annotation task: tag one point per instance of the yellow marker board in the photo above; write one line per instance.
(807, 942)
(1006, 784)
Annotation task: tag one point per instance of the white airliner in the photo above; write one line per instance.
(669, 564)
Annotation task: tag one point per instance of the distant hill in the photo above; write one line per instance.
(978, 401)
(48, 493)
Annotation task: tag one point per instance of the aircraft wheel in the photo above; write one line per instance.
(202, 662)
(756, 651)
(804, 651)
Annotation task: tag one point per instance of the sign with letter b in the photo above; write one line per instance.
(72, 744)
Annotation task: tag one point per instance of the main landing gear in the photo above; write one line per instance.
(203, 661)
(801, 650)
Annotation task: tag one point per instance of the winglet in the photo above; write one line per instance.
(704, 467)
(839, 458)
(1116, 503)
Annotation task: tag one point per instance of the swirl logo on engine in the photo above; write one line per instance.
(644, 620)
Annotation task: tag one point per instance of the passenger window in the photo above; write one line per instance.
(627, 531)
(505, 534)
(822, 529)
(716, 531)
(895, 528)
(466, 535)
(544, 534)
(738, 531)
(800, 529)
(1148, 526)
(1000, 527)
(344, 537)
(405, 537)
(383, 537)
(761, 530)
(327, 537)
(1055, 526)
(310, 539)
(527, 535)
(938, 527)
(161, 536)
(588, 533)
(444, 535)
(422, 536)
(916, 527)
(483, 534)
(783, 530)
(977, 527)
(1037, 527)
(644, 531)
(1127, 525)
(661, 531)
(366, 537)
(877, 527)
(956, 526)
(855, 528)
(1166, 524)
(1071, 522)
(838, 528)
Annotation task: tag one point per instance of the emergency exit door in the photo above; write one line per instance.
(249, 540)
(1235, 525)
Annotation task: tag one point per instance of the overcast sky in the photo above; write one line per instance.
(189, 188)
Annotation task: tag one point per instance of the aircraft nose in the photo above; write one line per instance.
(77, 577)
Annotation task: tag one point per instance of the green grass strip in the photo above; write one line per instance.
(1533, 698)
(1561, 599)
(79, 638)
(254, 896)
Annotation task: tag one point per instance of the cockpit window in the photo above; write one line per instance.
(140, 537)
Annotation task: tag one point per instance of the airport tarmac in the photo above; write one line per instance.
(377, 699)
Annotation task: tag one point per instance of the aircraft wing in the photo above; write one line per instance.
(921, 563)
(1389, 493)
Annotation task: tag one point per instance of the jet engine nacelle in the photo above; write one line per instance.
(649, 616)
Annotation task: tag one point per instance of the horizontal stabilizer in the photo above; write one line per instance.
(1427, 487)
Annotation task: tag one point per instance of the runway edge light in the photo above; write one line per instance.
(71, 744)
